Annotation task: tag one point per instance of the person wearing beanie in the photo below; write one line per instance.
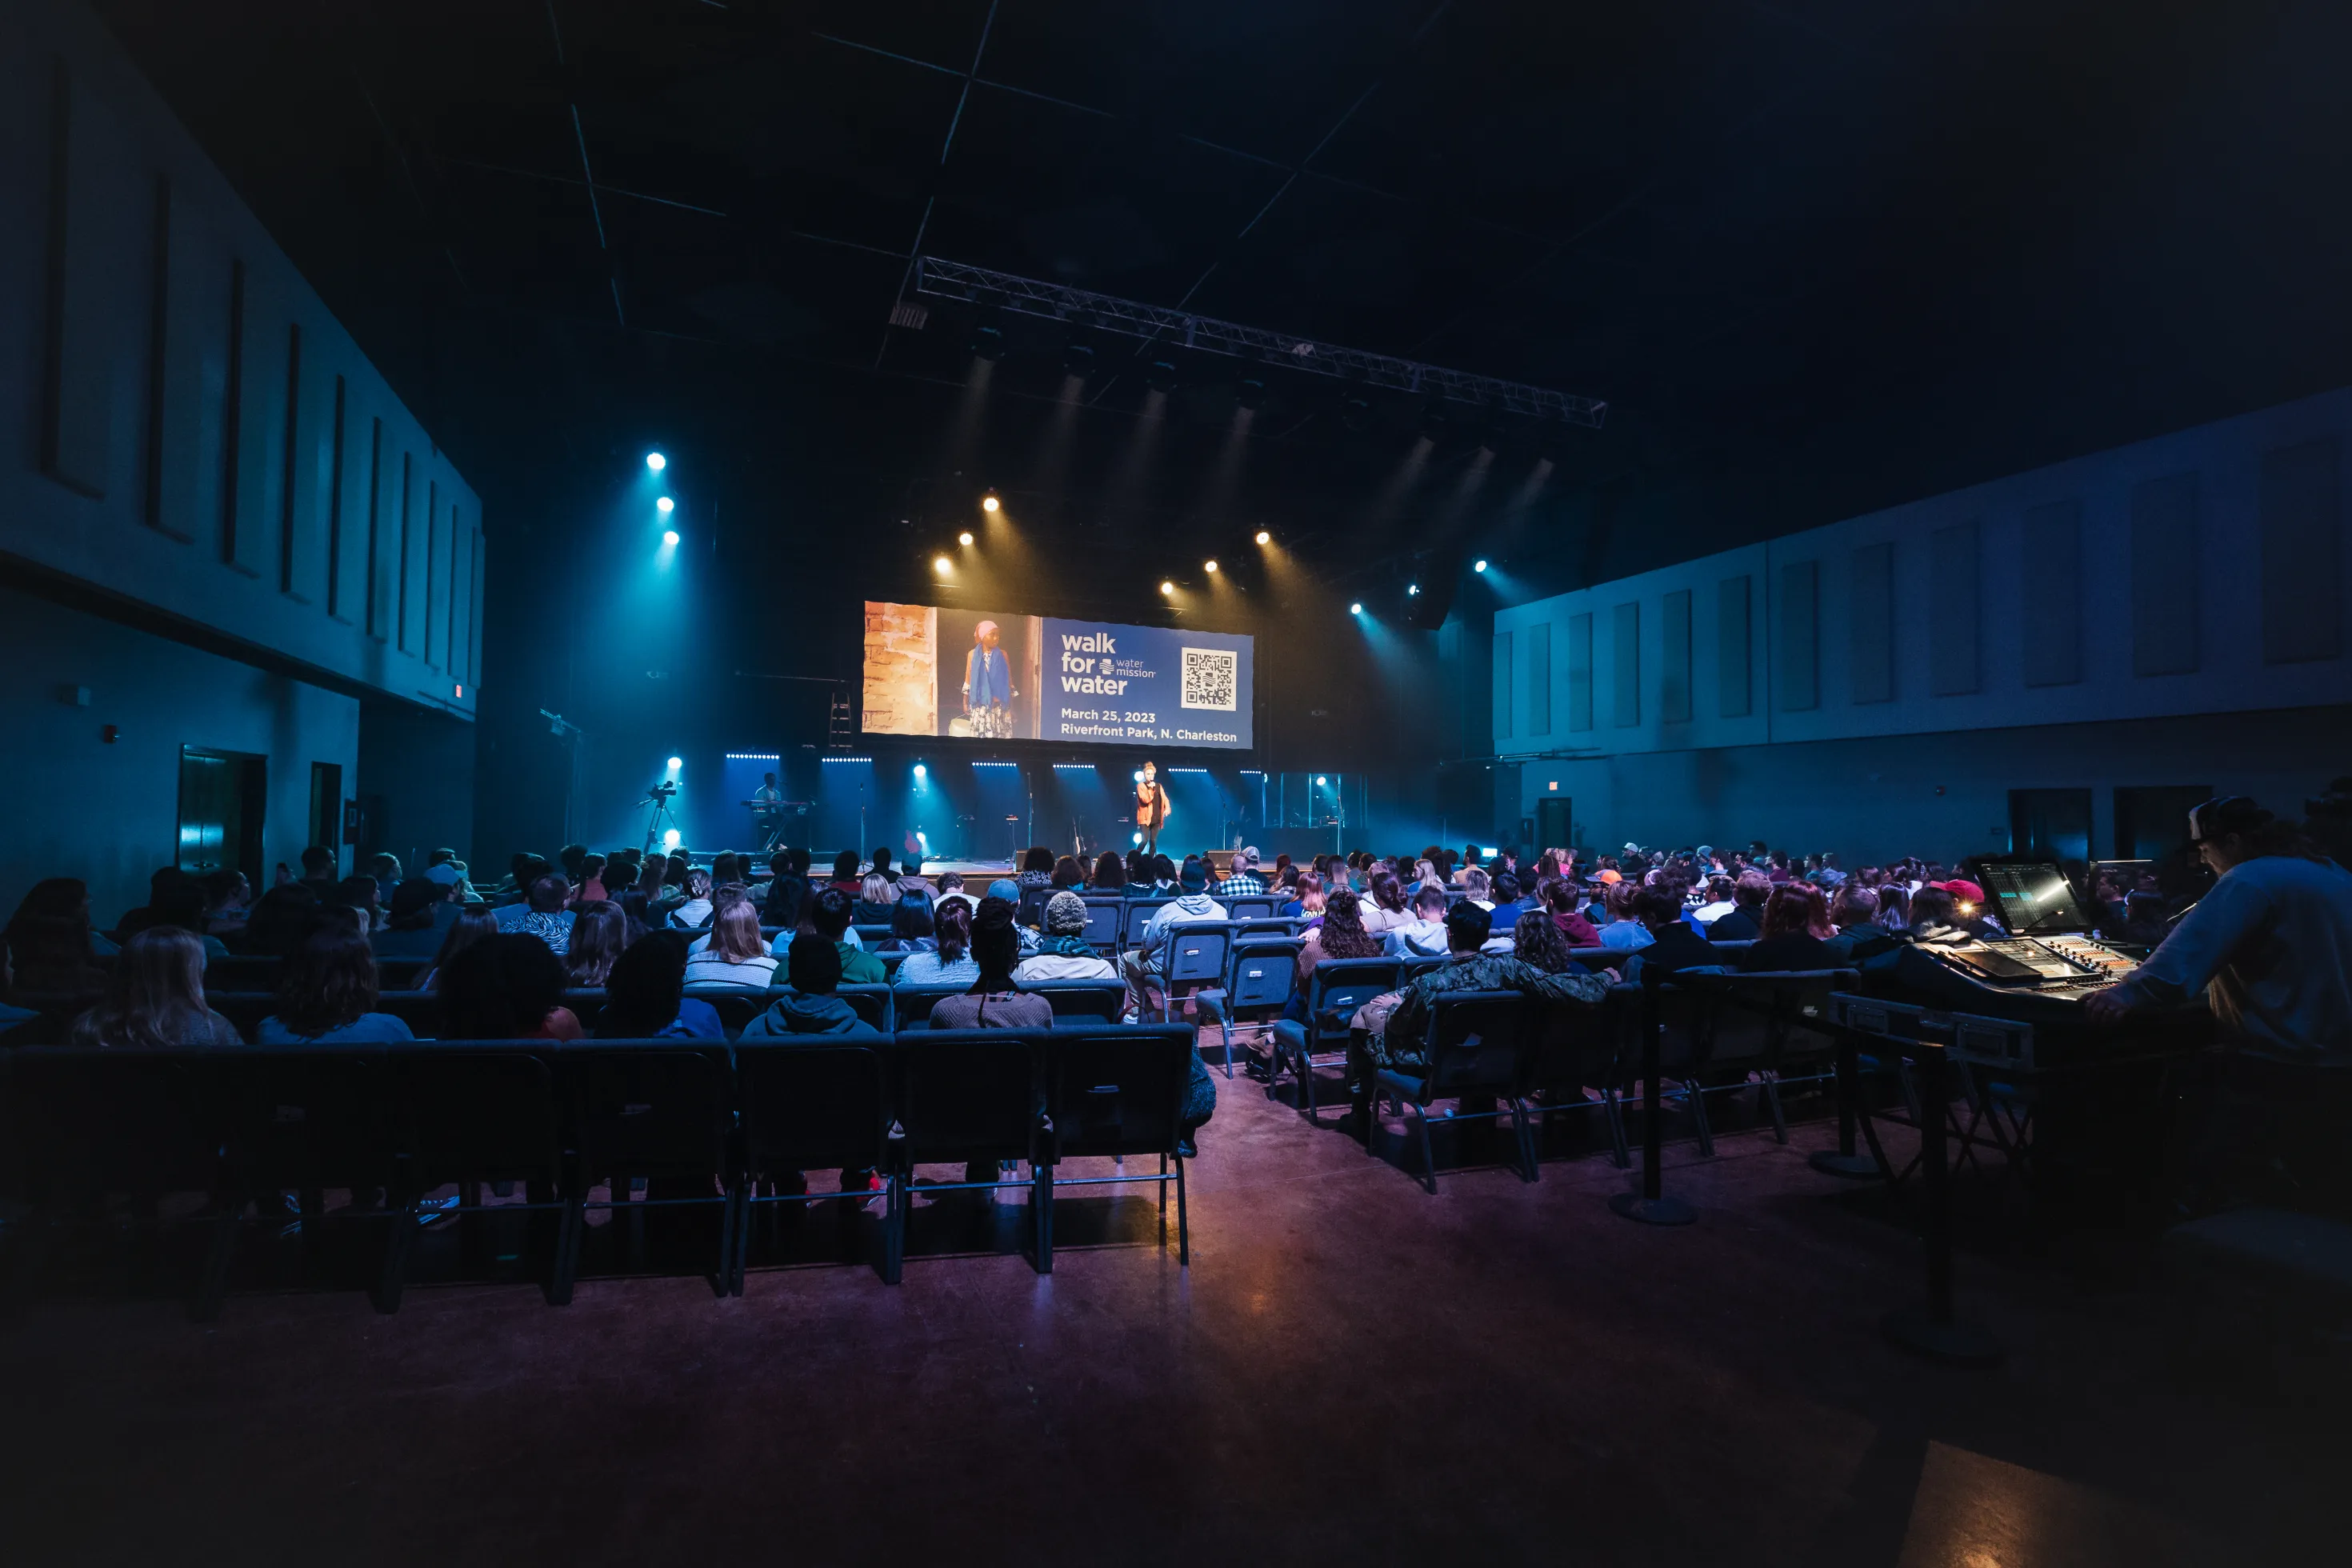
(1064, 953)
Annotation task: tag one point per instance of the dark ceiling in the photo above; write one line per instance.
(1818, 256)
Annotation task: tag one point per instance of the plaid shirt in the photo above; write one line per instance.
(1242, 882)
(1408, 1028)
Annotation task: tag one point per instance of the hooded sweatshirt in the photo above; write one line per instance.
(805, 1013)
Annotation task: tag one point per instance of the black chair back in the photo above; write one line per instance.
(1477, 1044)
(1081, 1004)
(1118, 1091)
(1264, 972)
(1275, 926)
(910, 1005)
(1338, 986)
(1253, 907)
(1196, 954)
(873, 1004)
(1030, 910)
(480, 1111)
(89, 1121)
(1139, 915)
(245, 1009)
(640, 1108)
(1104, 915)
(400, 973)
(966, 1095)
(243, 971)
(735, 1005)
(307, 1117)
(809, 1107)
(420, 1010)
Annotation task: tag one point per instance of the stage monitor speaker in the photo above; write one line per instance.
(1223, 860)
(1427, 610)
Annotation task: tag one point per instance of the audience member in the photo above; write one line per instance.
(169, 893)
(828, 915)
(1064, 954)
(1341, 934)
(994, 1002)
(1796, 923)
(951, 890)
(1110, 876)
(1242, 879)
(1386, 907)
(327, 995)
(1398, 1025)
(948, 961)
(470, 927)
(695, 912)
(319, 868)
(411, 930)
(1559, 897)
(1673, 945)
(644, 995)
(811, 1004)
(738, 955)
(155, 997)
(1718, 903)
(1746, 921)
(1625, 931)
(281, 917)
(1307, 905)
(1142, 963)
(1036, 868)
(600, 934)
(877, 900)
(1423, 936)
(363, 895)
(227, 896)
(508, 986)
(1536, 941)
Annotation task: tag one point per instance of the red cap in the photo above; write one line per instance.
(1960, 887)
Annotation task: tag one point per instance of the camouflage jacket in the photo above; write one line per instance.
(1408, 1028)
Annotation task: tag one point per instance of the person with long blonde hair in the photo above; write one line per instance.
(156, 997)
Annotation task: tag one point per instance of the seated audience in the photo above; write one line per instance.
(738, 955)
(326, 996)
(913, 924)
(1673, 946)
(1625, 931)
(1536, 941)
(155, 997)
(1423, 936)
(1306, 904)
(1397, 1024)
(1856, 932)
(1386, 907)
(812, 1003)
(1242, 879)
(695, 912)
(590, 890)
(951, 890)
(948, 961)
(1746, 921)
(1036, 868)
(1109, 875)
(1511, 901)
(319, 867)
(281, 917)
(994, 1002)
(1559, 897)
(1192, 905)
(363, 894)
(1477, 888)
(600, 934)
(168, 892)
(1718, 903)
(1796, 924)
(413, 929)
(828, 916)
(543, 914)
(1067, 873)
(470, 927)
(645, 996)
(1064, 954)
(508, 986)
(1341, 935)
(877, 900)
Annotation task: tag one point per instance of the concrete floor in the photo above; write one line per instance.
(1350, 1370)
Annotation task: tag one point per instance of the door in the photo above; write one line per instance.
(2152, 820)
(223, 796)
(2052, 825)
(1555, 822)
(327, 808)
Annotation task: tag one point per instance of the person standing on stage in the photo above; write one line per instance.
(1151, 807)
(988, 692)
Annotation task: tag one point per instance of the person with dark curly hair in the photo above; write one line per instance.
(327, 995)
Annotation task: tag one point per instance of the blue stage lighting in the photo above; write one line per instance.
(655, 461)
(1411, 589)
(676, 764)
(920, 772)
(1356, 609)
(671, 837)
(1320, 780)
(1480, 565)
(665, 506)
(669, 536)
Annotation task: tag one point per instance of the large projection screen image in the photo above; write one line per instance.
(996, 675)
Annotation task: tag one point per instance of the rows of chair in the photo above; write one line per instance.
(729, 1126)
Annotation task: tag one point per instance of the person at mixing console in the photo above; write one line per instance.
(2270, 946)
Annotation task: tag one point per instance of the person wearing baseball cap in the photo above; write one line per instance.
(2270, 946)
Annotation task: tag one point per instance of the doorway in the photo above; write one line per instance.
(2152, 820)
(2051, 825)
(327, 809)
(1555, 822)
(223, 797)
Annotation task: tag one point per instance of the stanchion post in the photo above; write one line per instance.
(1845, 1161)
(1934, 1332)
(1651, 1206)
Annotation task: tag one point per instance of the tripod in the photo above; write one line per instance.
(659, 797)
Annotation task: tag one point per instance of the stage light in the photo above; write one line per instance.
(964, 538)
(1209, 566)
(671, 839)
(665, 506)
(655, 461)
(1139, 775)
(990, 503)
(1264, 537)
(1479, 565)
(676, 764)
(1139, 838)
(669, 536)
(1411, 589)
(1168, 590)
(943, 565)
(920, 772)
(1356, 609)
(1320, 781)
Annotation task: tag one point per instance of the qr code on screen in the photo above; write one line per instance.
(1212, 676)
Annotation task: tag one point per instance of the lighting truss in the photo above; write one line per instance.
(1105, 312)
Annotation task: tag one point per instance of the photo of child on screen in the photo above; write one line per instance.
(988, 693)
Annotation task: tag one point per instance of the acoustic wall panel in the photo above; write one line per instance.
(1955, 573)
(1733, 698)
(1502, 687)
(2050, 594)
(1800, 636)
(1870, 655)
(2301, 549)
(92, 251)
(2164, 599)
(1539, 679)
(1674, 658)
(1626, 673)
(1579, 672)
